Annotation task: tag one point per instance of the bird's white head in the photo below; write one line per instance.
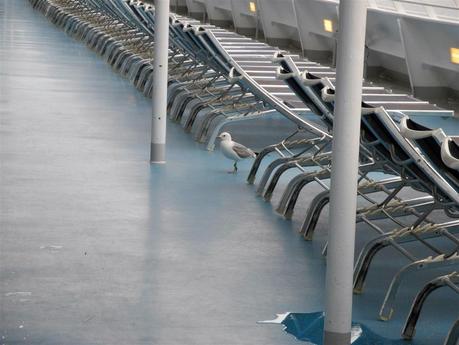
(225, 136)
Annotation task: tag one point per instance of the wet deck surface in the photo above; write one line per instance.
(98, 247)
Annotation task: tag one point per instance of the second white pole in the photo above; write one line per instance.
(345, 160)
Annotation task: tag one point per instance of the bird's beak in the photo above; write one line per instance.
(220, 136)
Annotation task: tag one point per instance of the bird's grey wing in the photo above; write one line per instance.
(242, 151)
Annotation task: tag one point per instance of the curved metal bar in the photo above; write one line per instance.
(268, 171)
(322, 174)
(365, 258)
(453, 335)
(257, 162)
(296, 182)
(312, 216)
(449, 280)
(288, 190)
(395, 238)
(387, 308)
(277, 175)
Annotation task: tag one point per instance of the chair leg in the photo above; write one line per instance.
(409, 329)
(387, 307)
(453, 335)
(312, 217)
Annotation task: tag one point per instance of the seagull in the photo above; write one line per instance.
(233, 150)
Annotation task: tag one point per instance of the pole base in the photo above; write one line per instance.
(158, 153)
(332, 338)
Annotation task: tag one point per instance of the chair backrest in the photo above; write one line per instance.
(306, 86)
(440, 150)
(249, 83)
(423, 163)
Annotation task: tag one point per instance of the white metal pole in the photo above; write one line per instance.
(160, 78)
(346, 136)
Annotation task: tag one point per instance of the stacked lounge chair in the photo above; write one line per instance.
(422, 159)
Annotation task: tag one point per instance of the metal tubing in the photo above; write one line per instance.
(343, 196)
(453, 335)
(160, 69)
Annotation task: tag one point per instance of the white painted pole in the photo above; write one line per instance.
(160, 78)
(346, 135)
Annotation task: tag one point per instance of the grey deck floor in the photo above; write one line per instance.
(98, 247)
